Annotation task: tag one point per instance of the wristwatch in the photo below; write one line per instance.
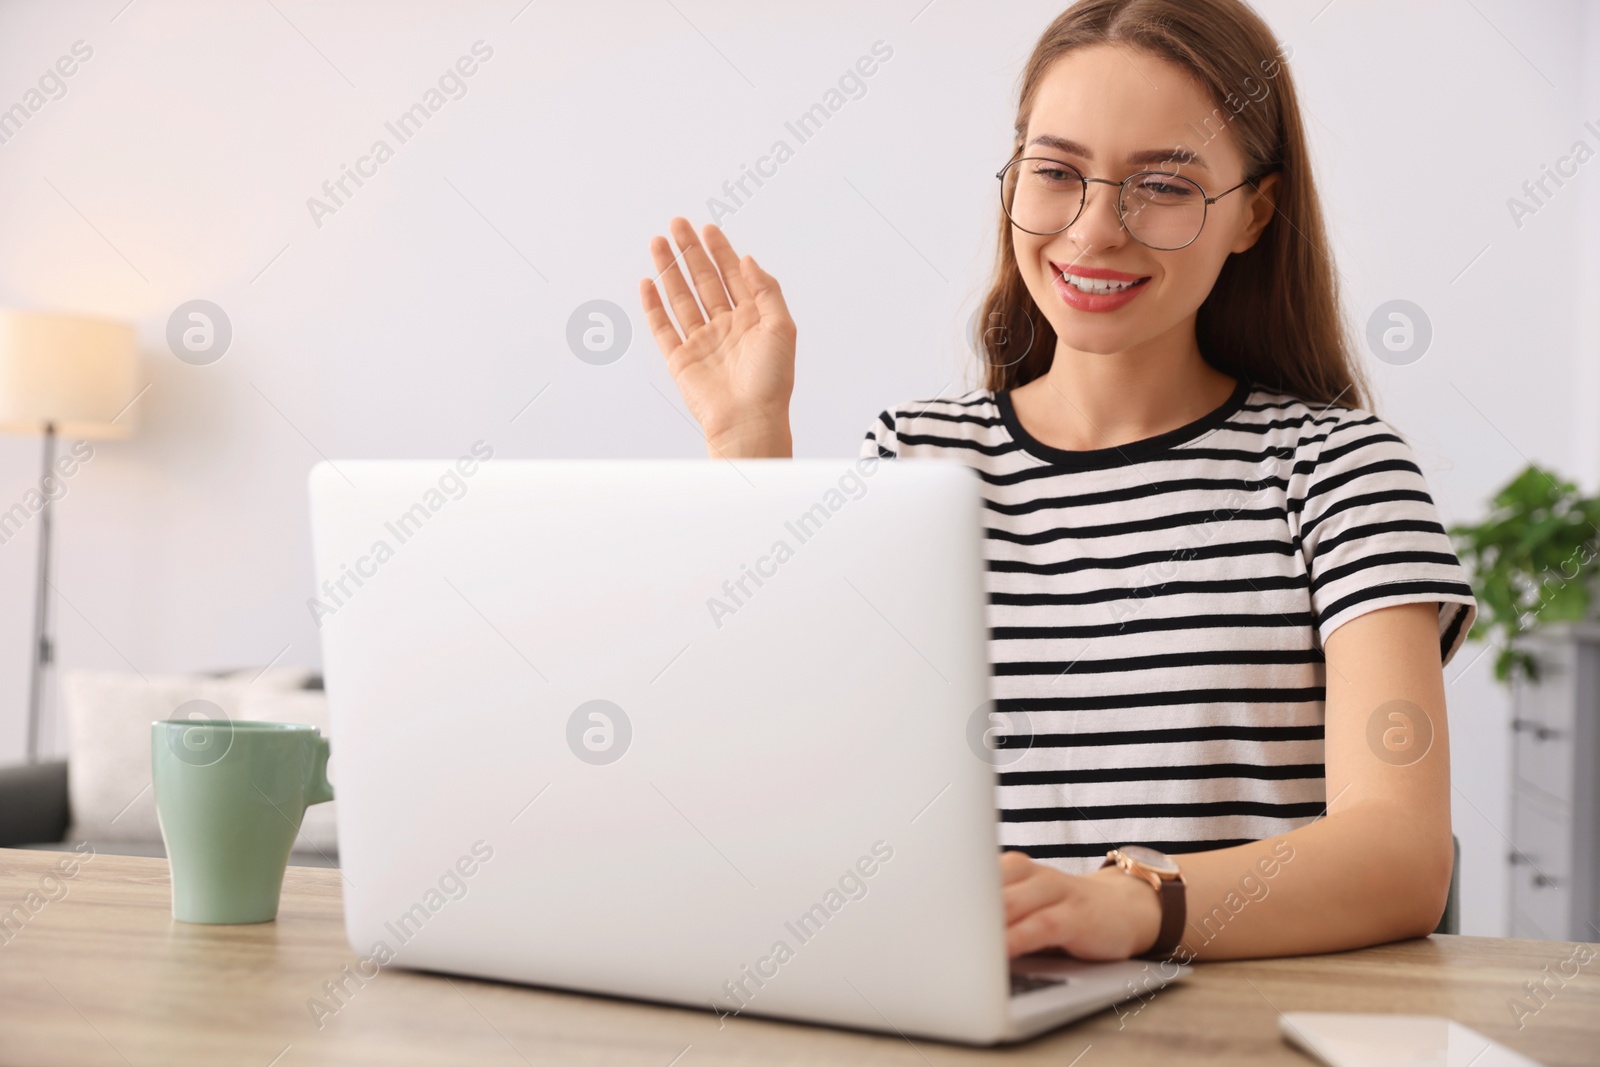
(1162, 872)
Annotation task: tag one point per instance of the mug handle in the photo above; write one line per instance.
(321, 789)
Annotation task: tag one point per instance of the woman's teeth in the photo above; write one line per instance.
(1097, 285)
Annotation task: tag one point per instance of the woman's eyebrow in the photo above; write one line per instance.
(1149, 155)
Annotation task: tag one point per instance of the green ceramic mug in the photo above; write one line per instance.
(230, 797)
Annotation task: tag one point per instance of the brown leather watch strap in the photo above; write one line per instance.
(1174, 907)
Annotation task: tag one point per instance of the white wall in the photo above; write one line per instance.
(429, 309)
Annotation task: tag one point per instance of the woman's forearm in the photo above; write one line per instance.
(1361, 876)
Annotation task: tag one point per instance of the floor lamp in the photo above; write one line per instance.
(60, 376)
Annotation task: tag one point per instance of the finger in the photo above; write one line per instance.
(682, 300)
(727, 261)
(1015, 866)
(769, 298)
(1029, 895)
(656, 317)
(707, 282)
(1049, 928)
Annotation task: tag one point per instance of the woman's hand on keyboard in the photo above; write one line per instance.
(1107, 915)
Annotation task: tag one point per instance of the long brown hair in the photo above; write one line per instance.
(1273, 315)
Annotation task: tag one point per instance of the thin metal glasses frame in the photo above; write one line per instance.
(1123, 185)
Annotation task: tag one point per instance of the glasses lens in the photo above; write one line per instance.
(1041, 195)
(1163, 210)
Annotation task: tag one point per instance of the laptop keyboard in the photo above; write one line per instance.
(1027, 983)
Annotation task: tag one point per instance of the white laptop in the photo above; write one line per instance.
(698, 732)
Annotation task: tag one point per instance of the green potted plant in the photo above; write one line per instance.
(1532, 561)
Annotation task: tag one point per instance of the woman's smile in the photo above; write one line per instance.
(1096, 288)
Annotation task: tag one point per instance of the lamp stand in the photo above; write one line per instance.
(43, 652)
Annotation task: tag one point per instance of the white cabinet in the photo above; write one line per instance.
(1555, 788)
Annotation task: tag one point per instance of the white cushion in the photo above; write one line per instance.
(108, 716)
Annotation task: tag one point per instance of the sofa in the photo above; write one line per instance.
(100, 793)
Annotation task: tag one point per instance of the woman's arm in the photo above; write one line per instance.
(1375, 868)
(734, 359)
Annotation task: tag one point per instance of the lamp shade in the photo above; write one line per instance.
(77, 374)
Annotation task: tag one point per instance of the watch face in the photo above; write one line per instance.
(1159, 862)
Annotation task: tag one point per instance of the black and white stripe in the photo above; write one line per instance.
(1158, 610)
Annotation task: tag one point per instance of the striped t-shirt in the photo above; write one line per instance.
(1158, 609)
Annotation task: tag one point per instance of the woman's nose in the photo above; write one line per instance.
(1099, 224)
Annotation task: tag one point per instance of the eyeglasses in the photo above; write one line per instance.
(1159, 209)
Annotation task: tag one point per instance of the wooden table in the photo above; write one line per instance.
(103, 975)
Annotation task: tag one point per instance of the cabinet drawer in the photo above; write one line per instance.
(1538, 912)
(1540, 909)
(1550, 701)
(1544, 721)
(1541, 867)
(1543, 758)
(1542, 833)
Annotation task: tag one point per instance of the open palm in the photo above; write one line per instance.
(733, 360)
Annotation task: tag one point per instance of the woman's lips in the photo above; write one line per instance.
(1115, 288)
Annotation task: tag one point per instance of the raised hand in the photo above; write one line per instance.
(733, 360)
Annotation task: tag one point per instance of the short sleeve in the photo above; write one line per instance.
(1371, 535)
(881, 442)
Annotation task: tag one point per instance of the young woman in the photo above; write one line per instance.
(1220, 596)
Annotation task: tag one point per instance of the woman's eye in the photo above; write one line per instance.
(1165, 190)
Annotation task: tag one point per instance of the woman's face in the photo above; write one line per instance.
(1111, 111)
